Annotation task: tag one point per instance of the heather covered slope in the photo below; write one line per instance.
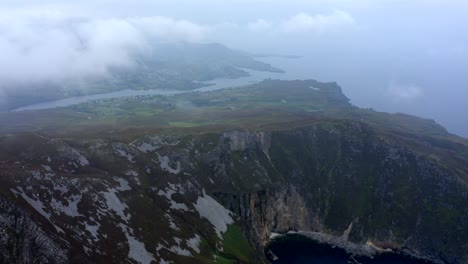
(207, 177)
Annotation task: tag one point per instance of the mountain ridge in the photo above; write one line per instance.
(207, 177)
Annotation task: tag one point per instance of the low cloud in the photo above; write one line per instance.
(51, 44)
(303, 23)
(406, 92)
(41, 45)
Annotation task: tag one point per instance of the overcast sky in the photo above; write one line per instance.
(400, 55)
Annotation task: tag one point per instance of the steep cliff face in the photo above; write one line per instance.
(343, 180)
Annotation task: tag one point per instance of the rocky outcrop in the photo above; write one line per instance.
(23, 241)
(343, 185)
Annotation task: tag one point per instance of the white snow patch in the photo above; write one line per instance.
(169, 141)
(124, 186)
(71, 209)
(164, 163)
(132, 173)
(93, 229)
(214, 212)
(171, 223)
(47, 168)
(135, 175)
(178, 206)
(60, 187)
(174, 205)
(42, 176)
(147, 147)
(113, 203)
(194, 243)
(80, 158)
(124, 154)
(159, 247)
(168, 192)
(178, 250)
(87, 250)
(36, 204)
(137, 250)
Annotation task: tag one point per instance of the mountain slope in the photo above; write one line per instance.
(207, 177)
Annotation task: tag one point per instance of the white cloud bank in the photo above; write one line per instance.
(303, 23)
(40, 45)
(49, 43)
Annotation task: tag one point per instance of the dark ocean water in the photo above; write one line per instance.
(298, 250)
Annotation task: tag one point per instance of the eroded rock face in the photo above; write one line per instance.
(239, 140)
(161, 198)
(23, 241)
(347, 183)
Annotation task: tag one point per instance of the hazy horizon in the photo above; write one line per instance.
(398, 56)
